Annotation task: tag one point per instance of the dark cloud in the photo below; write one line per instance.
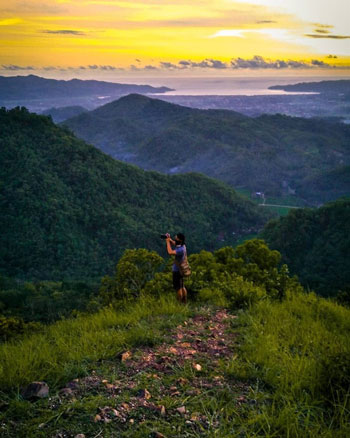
(107, 67)
(214, 63)
(335, 37)
(265, 21)
(206, 63)
(255, 63)
(258, 62)
(322, 31)
(318, 63)
(168, 65)
(64, 32)
(11, 67)
(324, 26)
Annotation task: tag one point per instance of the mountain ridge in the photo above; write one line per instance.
(268, 153)
(36, 87)
(68, 209)
(334, 86)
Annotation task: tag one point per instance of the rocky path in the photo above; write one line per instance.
(171, 389)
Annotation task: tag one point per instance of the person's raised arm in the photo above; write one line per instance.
(170, 242)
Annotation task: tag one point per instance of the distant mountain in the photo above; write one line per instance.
(274, 154)
(35, 87)
(315, 243)
(63, 113)
(69, 211)
(337, 86)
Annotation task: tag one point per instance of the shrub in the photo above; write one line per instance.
(242, 294)
(135, 268)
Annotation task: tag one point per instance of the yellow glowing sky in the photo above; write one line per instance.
(184, 36)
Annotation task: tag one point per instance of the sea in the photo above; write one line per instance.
(227, 86)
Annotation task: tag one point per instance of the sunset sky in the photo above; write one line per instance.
(160, 37)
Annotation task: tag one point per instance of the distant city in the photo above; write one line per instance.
(332, 107)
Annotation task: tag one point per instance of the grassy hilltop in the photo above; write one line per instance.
(252, 355)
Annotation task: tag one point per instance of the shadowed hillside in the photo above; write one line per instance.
(272, 154)
(316, 245)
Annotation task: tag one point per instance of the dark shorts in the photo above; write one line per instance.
(178, 280)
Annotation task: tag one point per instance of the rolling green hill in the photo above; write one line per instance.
(327, 186)
(315, 243)
(69, 211)
(272, 154)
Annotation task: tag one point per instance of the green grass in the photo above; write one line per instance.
(290, 367)
(281, 211)
(286, 200)
(67, 347)
(300, 351)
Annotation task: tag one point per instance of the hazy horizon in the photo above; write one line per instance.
(210, 85)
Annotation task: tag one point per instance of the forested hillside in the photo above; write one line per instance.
(326, 186)
(273, 154)
(316, 245)
(69, 211)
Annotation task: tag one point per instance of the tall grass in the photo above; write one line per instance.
(66, 347)
(300, 350)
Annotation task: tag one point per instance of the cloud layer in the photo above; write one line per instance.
(64, 32)
(331, 36)
(255, 63)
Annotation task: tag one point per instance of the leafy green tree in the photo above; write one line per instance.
(135, 268)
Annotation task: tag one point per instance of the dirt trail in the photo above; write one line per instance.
(156, 384)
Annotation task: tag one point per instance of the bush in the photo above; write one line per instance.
(243, 294)
(135, 268)
(11, 327)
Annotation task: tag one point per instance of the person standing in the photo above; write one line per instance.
(180, 253)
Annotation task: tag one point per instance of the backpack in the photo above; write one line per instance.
(184, 267)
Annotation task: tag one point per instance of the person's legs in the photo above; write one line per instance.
(177, 283)
(183, 292)
(184, 295)
(179, 295)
